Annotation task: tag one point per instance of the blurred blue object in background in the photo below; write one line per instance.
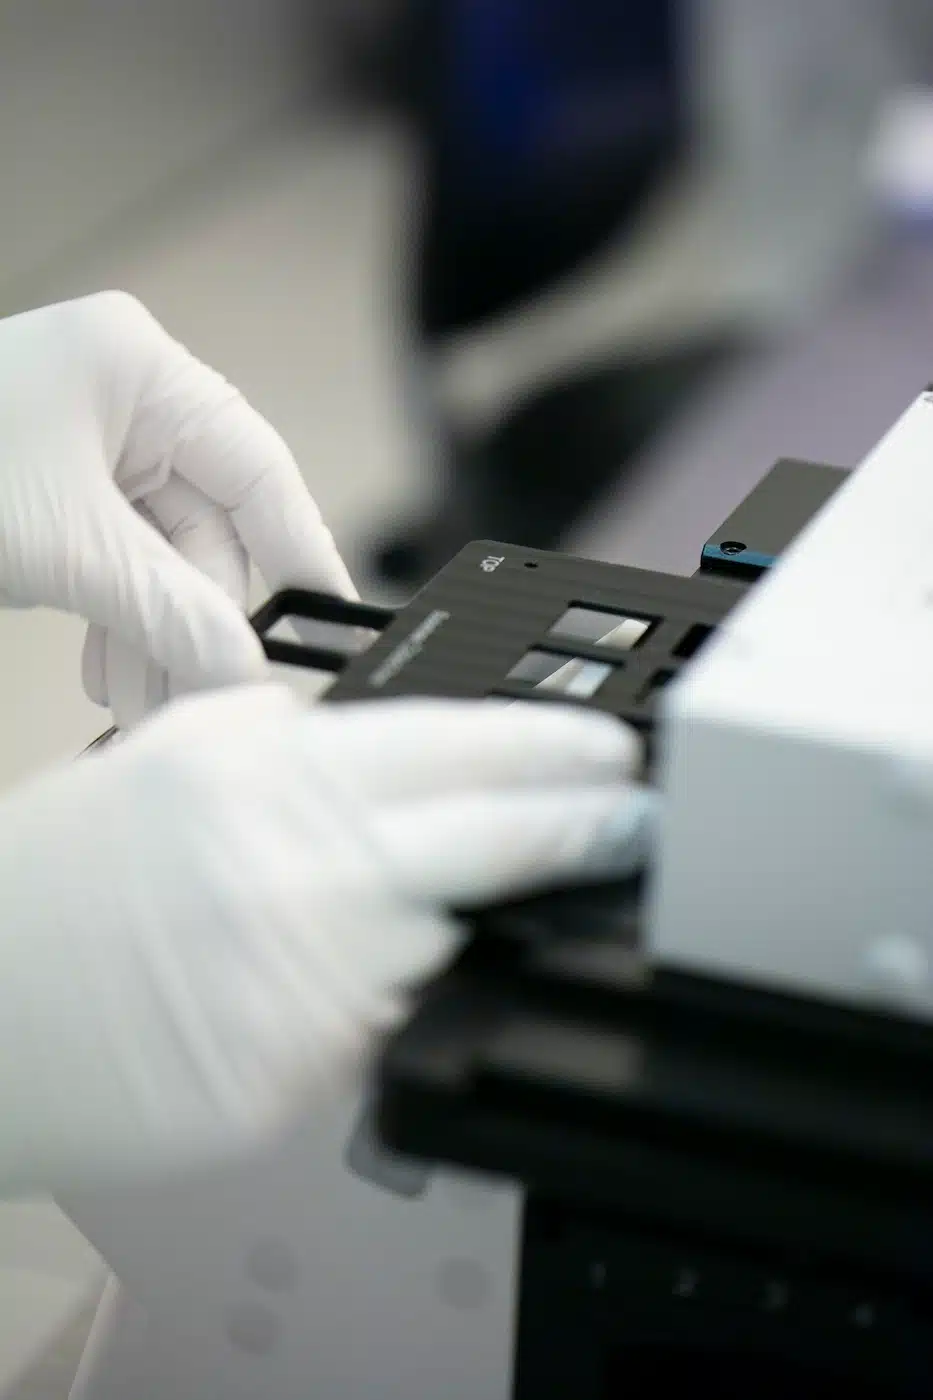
(543, 122)
(542, 90)
(544, 127)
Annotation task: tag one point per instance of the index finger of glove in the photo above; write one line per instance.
(237, 459)
(186, 418)
(406, 749)
(467, 851)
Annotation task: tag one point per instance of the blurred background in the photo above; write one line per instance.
(562, 272)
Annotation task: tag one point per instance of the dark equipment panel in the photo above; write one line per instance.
(755, 534)
(472, 625)
(721, 1182)
(465, 633)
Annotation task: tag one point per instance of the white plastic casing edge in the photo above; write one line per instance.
(797, 844)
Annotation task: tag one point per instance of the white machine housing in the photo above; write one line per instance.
(797, 849)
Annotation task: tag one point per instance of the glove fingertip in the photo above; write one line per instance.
(93, 666)
(626, 842)
(590, 738)
(230, 653)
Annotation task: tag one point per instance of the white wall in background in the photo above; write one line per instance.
(104, 101)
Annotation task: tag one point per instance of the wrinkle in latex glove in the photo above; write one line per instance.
(206, 928)
(136, 488)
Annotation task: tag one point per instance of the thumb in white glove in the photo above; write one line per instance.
(205, 927)
(135, 487)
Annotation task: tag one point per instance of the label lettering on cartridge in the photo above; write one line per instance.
(406, 651)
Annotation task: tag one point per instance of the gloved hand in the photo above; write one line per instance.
(205, 926)
(100, 412)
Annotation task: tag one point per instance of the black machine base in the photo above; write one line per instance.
(611, 1308)
(722, 1183)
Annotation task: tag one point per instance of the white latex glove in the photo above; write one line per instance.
(207, 925)
(100, 412)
